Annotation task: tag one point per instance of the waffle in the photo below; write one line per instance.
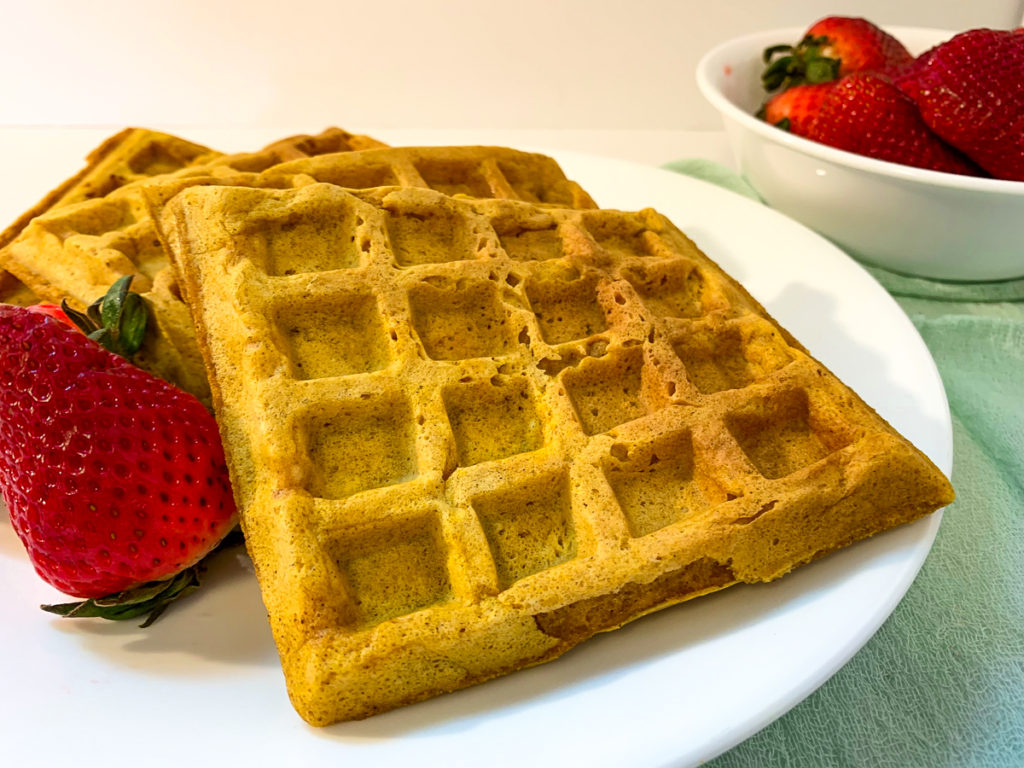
(139, 154)
(13, 291)
(465, 434)
(95, 227)
(76, 252)
(130, 155)
(485, 172)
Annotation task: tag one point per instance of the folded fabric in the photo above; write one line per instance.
(942, 682)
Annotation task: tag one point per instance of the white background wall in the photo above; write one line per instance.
(304, 64)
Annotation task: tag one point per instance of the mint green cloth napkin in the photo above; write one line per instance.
(942, 682)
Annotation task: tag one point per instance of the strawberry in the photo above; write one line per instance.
(795, 109)
(53, 311)
(868, 114)
(970, 92)
(832, 48)
(907, 79)
(115, 480)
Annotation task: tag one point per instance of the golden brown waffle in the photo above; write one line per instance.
(77, 251)
(139, 154)
(96, 227)
(130, 155)
(13, 291)
(465, 435)
(485, 172)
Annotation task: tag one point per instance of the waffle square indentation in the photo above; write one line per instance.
(529, 527)
(716, 362)
(781, 435)
(429, 236)
(453, 177)
(396, 568)
(532, 244)
(358, 445)
(339, 337)
(672, 289)
(492, 420)
(566, 310)
(608, 391)
(156, 158)
(313, 244)
(620, 235)
(459, 324)
(533, 185)
(358, 175)
(655, 485)
(96, 219)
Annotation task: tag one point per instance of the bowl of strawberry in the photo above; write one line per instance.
(904, 145)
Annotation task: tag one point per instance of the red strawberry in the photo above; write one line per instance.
(53, 311)
(795, 109)
(115, 480)
(859, 45)
(907, 79)
(867, 114)
(832, 48)
(970, 91)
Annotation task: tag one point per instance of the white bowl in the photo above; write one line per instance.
(910, 220)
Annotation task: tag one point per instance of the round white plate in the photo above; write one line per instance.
(203, 685)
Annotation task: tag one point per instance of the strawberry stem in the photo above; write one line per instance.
(117, 320)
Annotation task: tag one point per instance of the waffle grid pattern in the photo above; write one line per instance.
(128, 158)
(488, 429)
(130, 155)
(76, 252)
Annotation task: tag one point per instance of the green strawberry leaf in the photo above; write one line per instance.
(132, 322)
(771, 50)
(802, 63)
(117, 320)
(150, 599)
(112, 304)
(777, 73)
(83, 321)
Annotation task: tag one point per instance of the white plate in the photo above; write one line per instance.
(677, 687)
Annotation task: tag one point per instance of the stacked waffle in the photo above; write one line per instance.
(98, 226)
(472, 420)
